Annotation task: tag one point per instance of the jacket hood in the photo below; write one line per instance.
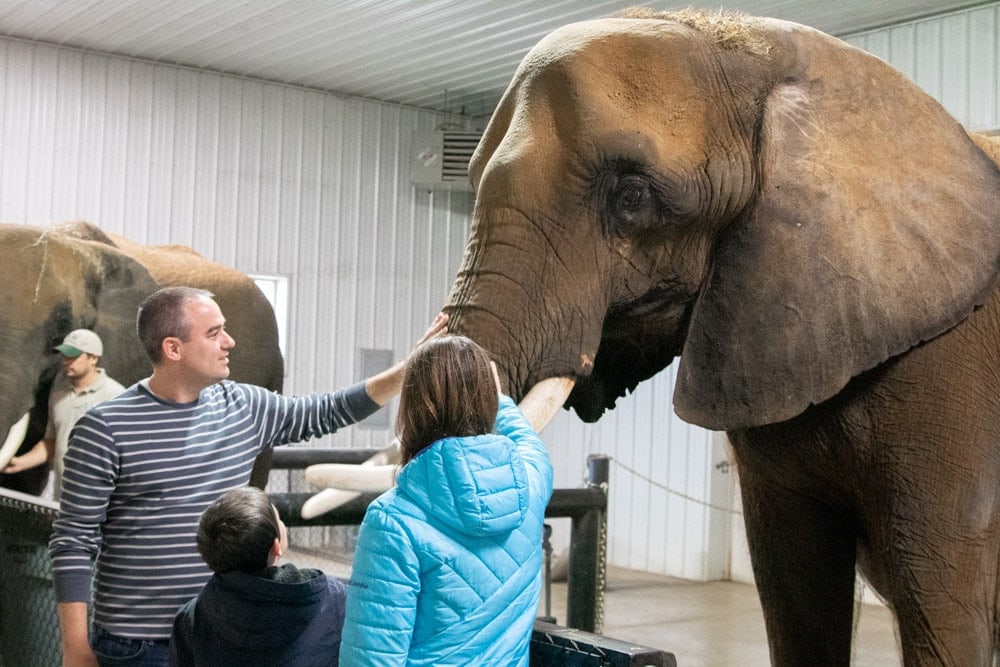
(265, 614)
(477, 485)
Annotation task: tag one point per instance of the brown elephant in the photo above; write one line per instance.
(819, 242)
(77, 276)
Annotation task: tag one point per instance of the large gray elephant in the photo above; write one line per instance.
(819, 242)
(77, 276)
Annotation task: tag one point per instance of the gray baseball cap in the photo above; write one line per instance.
(79, 341)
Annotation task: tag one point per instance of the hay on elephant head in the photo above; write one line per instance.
(730, 30)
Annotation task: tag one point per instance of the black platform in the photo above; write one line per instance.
(557, 646)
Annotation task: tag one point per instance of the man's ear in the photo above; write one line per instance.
(171, 348)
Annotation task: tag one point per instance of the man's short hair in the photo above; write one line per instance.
(162, 315)
(237, 531)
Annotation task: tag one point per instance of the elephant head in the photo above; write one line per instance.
(55, 284)
(77, 276)
(778, 208)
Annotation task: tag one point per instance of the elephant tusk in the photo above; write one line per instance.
(351, 477)
(383, 463)
(544, 400)
(326, 500)
(378, 474)
(15, 436)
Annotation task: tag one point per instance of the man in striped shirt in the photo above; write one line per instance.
(142, 467)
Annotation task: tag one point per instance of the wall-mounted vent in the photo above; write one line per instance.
(441, 159)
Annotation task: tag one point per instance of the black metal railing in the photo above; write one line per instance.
(29, 625)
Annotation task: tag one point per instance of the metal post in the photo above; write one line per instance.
(587, 552)
(547, 574)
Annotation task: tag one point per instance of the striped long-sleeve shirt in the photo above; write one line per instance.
(138, 474)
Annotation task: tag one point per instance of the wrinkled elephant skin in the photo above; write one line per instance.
(76, 276)
(819, 243)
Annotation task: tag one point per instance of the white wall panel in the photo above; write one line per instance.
(668, 502)
(268, 178)
(955, 58)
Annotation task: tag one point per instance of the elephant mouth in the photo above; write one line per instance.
(638, 341)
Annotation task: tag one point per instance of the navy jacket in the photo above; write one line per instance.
(287, 616)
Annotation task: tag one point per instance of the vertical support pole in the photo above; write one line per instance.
(547, 574)
(587, 556)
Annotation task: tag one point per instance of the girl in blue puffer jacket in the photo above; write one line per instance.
(447, 568)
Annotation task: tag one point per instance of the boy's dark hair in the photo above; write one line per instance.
(448, 390)
(237, 531)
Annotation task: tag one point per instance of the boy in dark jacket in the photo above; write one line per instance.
(253, 611)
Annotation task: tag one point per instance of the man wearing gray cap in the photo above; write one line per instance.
(81, 385)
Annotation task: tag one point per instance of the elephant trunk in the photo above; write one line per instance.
(509, 273)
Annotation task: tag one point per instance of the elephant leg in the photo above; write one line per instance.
(803, 561)
(945, 627)
(941, 580)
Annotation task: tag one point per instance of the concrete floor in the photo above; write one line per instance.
(714, 624)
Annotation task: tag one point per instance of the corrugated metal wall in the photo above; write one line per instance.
(281, 180)
(268, 178)
(954, 58)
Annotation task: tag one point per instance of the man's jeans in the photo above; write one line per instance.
(112, 651)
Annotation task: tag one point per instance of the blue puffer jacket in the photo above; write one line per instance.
(447, 569)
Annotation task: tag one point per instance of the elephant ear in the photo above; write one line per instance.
(876, 227)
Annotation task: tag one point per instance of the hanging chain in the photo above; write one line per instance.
(602, 567)
(679, 494)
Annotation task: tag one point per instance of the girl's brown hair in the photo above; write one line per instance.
(448, 390)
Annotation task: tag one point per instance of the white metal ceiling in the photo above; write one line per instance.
(448, 55)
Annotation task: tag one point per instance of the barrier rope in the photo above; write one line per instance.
(674, 492)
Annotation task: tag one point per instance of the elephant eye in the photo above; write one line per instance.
(631, 205)
(631, 197)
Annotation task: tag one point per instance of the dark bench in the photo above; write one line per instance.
(558, 646)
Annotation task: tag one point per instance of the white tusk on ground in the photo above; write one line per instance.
(384, 463)
(378, 473)
(15, 436)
